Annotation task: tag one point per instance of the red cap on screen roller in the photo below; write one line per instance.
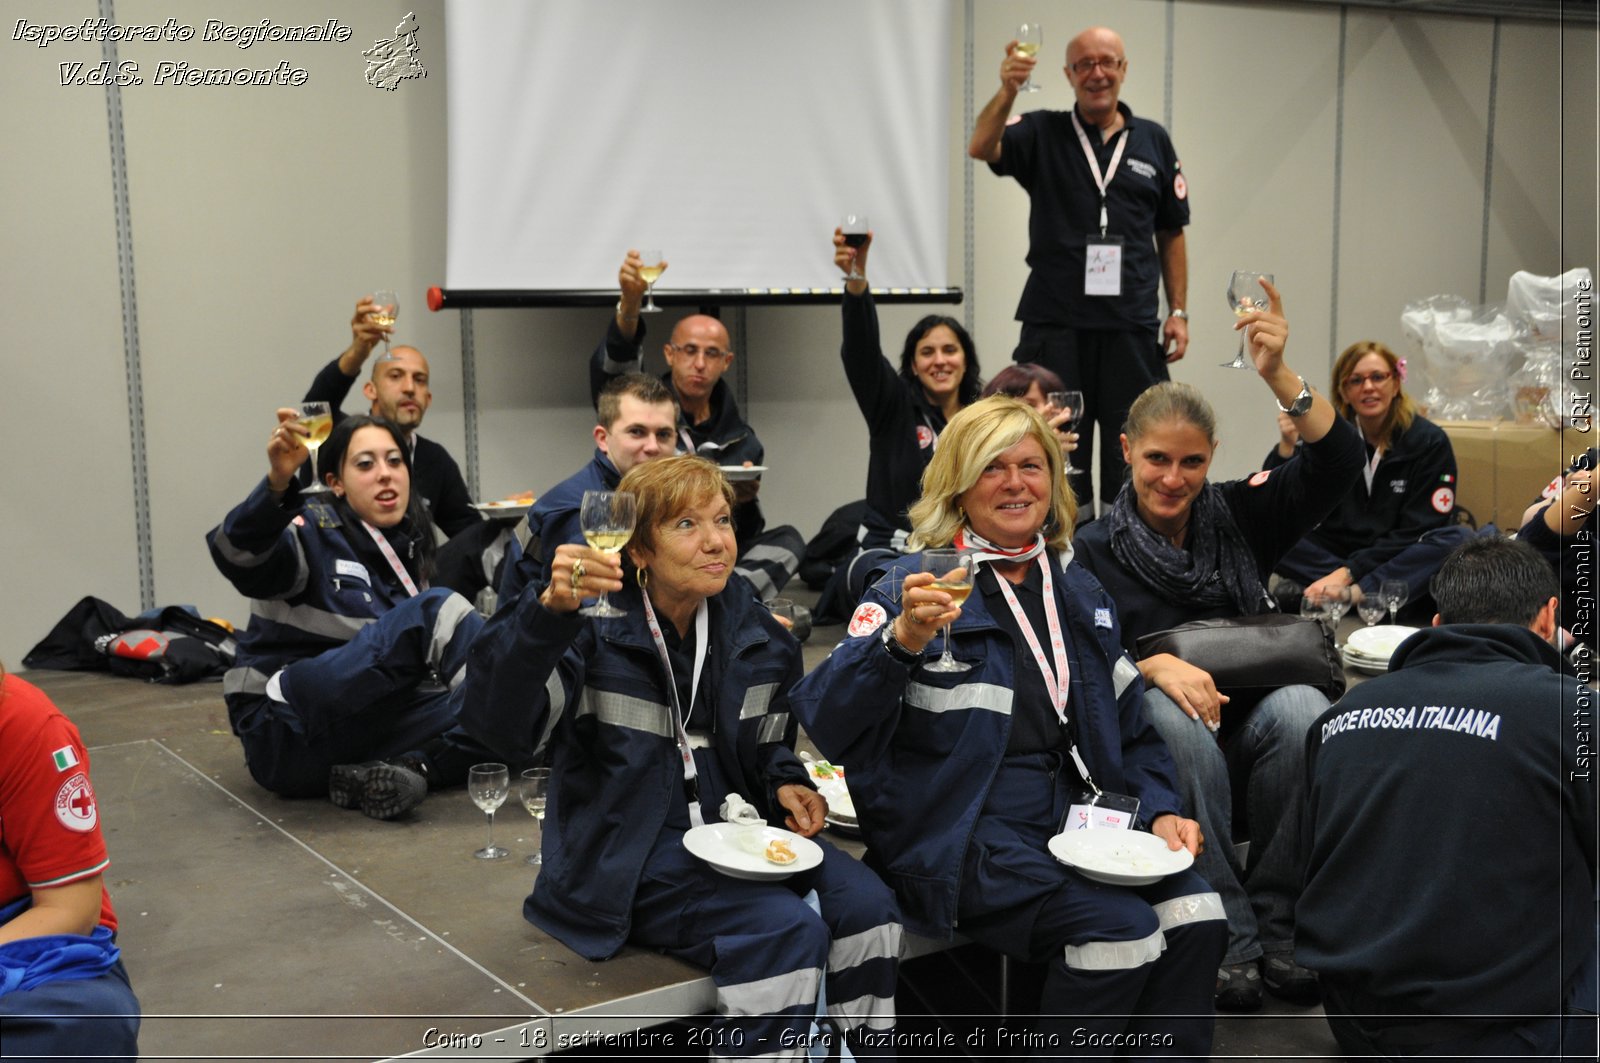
(435, 298)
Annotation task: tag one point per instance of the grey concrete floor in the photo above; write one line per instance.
(261, 928)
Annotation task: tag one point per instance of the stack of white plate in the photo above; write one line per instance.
(1369, 649)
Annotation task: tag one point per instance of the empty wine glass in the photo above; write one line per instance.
(1394, 593)
(1314, 607)
(1072, 403)
(1030, 35)
(1246, 296)
(1337, 602)
(488, 785)
(952, 570)
(607, 519)
(385, 309)
(855, 229)
(1371, 608)
(534, 790)
(651, 267)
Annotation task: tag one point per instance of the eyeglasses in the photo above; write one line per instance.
(694, 350)
(1085, 67)
(1378, 379)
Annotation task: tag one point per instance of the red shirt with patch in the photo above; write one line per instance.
(49, 818)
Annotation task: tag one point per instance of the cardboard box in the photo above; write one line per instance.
(1502, 465)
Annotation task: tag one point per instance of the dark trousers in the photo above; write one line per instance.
(1128, 968)
(392, 689)
(94, 1018)
(1111, 369)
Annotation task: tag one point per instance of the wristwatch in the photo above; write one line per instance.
(899, 651)
(1301, 403)
(1181, 314)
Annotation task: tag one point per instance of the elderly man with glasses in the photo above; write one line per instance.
(709, 423)
(1105, 230)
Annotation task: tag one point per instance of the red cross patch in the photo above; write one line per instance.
(75, 806)
(1444, 500)
(1260, 478)
(924, 437)
(869, 617)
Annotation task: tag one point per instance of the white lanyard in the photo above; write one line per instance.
(702, 635)
(393, 558)
(1102, 182)
(1372, 467)
(1056, 682)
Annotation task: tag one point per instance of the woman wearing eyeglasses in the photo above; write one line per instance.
(1395, 523)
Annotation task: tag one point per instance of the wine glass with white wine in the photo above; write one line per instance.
(1246, 296)
(607, 519)
(317, 419)
(855, 229)
(1030, 35)
(534, 791)
(651, 267)
(489, 785)
(385, 309)
(952, 570)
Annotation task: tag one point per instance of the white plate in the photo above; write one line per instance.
(742, 472)
(722, 845)
(505, 507)
(1380, 642)
(832, 786)
(1119, 857)
(1366, 665)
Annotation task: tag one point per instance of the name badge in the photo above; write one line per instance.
(1102, 266)
(1102, 811)
(353, 569)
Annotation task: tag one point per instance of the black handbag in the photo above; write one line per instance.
(1251, 656)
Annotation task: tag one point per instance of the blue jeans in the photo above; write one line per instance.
(1265, 760)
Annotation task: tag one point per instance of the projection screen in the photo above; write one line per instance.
(731, 134)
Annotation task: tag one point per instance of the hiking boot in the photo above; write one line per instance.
(382, 790)
(1289, 981)
(1238, 987)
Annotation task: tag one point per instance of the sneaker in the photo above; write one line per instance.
(1289, 981)
(1238, 987)
(380, 789)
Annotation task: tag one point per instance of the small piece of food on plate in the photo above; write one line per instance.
(778, 852)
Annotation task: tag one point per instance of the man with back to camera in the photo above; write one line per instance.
(637, 420)
(398, 390)
(1449, 902)
(710, 423)
(1090, 309)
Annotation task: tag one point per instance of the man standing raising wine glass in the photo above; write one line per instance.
(1107, 191)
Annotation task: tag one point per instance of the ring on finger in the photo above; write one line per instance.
(577, 574)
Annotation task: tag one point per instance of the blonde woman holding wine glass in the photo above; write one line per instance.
(655, 720)
(961, 779)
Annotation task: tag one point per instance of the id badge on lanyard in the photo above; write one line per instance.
(1102, 254)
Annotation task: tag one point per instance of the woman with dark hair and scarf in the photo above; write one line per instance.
(1176, 548)
(342, 683)
(905, 410)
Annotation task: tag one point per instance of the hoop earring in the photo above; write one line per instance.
(642, 576)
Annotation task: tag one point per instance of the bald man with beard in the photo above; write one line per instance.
(398, 390)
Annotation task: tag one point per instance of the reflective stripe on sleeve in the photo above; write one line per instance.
(756, 700)
(619, 710)
(310, 619)
(1123, 673)
(772, 728)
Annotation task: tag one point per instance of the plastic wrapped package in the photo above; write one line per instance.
(1467, 357)
(1543, 303)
